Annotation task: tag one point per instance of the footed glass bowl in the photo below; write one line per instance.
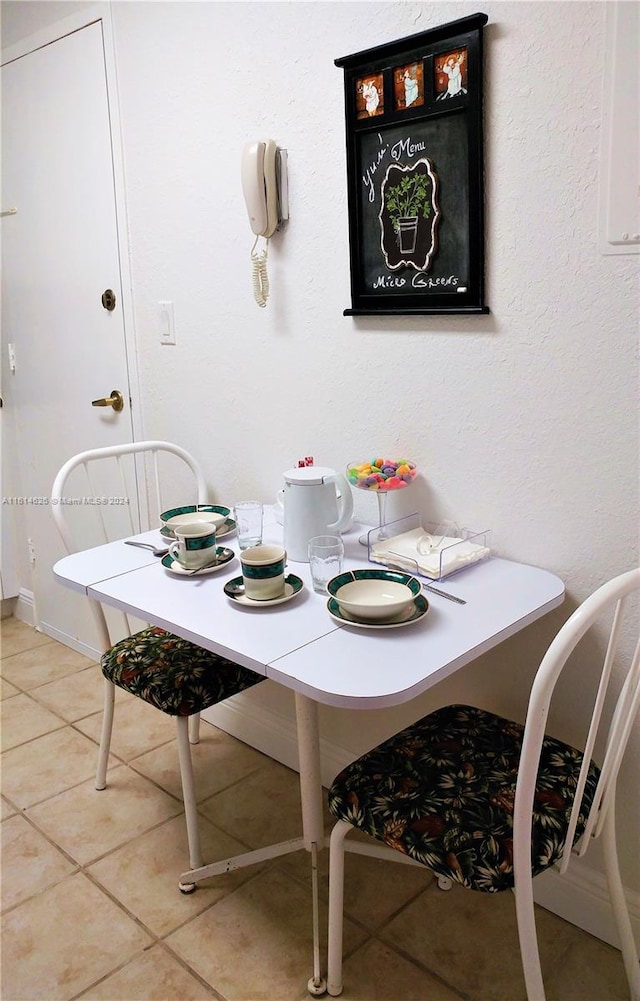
(381, 476)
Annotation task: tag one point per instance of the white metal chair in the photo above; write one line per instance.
(489, 803)
(177, 677)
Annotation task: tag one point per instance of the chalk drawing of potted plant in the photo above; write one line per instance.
(409, 214)
(405, 201)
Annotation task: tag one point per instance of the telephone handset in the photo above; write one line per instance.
(260, 186)
(264, 187)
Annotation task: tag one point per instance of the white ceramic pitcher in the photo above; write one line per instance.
(312, 506)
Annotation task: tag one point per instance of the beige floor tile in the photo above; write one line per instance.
(155, 976)
(265, 808)
(470, 940)
(22, 719)
(16, 636)
(7, 810)
(7, 690)
(65, 939)
(137, 727)
(377, 973)
(590, 970)
(43, 664)
(261, 809)
(74, 696)
(29, 862)
(47, 766)
(375, 890)
(218, 761)
(143, 875)
(87, 823)
(256, 943)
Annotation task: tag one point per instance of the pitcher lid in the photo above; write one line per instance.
(304, 475)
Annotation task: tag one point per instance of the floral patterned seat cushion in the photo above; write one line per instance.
(172, 674)
(442, 792)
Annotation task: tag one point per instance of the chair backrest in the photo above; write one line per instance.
(104, 494)
(606, 605)
(107, 490)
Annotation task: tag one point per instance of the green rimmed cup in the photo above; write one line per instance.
(195, 545)
(263, 571)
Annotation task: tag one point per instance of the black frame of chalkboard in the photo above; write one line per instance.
(433, 138)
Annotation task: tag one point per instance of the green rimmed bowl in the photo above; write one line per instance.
(374, 595)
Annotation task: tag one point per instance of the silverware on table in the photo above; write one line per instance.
(157, 551)
(206, 566)
(428, 587)
(222, 557)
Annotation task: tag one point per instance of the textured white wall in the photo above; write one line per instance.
(524, 421)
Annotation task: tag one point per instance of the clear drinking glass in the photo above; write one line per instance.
(248, 518)
(326, 553)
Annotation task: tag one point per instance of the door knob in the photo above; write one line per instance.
(116, 400)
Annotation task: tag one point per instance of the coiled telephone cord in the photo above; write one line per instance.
(259, 274)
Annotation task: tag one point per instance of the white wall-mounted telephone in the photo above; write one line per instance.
(264, 184)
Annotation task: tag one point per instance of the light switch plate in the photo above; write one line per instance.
(167, 323)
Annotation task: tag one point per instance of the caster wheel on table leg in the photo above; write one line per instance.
(187, 887)
(317, 987)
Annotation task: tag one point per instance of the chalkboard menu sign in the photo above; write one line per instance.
(413, 111)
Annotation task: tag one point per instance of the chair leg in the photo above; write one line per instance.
(188, 791)
(528, 936)
(105, 737)
(194, 728)
(619, 905)
(336, 907)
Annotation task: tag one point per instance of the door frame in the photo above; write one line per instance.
(24, 608)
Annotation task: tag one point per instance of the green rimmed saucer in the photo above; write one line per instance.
(224, 556)
(292, 586)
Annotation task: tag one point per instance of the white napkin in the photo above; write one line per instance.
(433, 556)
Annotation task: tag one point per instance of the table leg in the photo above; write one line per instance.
(312, 820)
(312, 839)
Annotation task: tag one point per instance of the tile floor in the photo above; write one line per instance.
(91, 908)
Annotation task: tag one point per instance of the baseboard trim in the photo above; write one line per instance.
(579, 896)
(25, 607)
(72, 641)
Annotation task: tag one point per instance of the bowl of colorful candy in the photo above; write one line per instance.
(381, 474)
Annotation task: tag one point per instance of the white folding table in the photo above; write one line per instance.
(298, 645)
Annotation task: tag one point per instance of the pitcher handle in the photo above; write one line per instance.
(345, 502)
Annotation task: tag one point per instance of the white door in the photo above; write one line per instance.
(62, 348)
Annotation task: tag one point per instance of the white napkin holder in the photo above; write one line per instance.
(427, 549)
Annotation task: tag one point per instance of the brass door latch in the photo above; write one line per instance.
(116, 400)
